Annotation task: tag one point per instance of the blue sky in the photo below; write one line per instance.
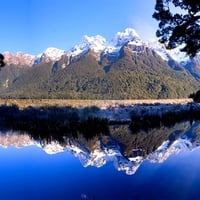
(32, 26)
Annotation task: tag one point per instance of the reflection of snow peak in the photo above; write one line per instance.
(165, 150)
(98, 153)
(53, 148)
(99, 157)
(101, 154)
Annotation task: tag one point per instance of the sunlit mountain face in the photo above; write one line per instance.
(124, 148)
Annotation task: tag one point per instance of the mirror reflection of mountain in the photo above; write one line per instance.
(125, 150)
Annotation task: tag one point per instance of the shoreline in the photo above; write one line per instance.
(59, 117)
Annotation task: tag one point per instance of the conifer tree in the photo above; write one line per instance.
(179, 24)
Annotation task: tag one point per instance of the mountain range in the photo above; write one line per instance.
(125, 67)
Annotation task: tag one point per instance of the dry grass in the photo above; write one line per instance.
(23, 103)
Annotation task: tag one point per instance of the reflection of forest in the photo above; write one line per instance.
(143, 143)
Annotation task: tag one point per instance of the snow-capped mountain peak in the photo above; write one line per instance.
(121, 38)
(95, 43)
(53, 53)
(129, 35)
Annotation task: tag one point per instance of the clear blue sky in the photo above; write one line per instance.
(32, 26)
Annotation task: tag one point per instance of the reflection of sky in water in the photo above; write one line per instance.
(30, 173)
(39, 171)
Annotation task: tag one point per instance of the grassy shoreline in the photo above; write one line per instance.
(23, 103)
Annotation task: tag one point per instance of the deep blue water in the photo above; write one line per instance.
(29, 173)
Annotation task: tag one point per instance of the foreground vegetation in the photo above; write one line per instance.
(60, 121)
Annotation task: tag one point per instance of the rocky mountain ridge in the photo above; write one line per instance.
(99, 45)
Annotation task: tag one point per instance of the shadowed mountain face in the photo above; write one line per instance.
(124, 68)
(126, 150)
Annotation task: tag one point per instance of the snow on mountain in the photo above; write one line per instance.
(95, 43)
(165, 54)
(129, 36)
(159, 49)
(99, 44)
(121, 38)
(51, 54)
(179, 56)
(54, 53)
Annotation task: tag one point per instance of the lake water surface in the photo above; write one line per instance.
(162, 163)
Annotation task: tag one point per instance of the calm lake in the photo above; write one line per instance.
(161, 163)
